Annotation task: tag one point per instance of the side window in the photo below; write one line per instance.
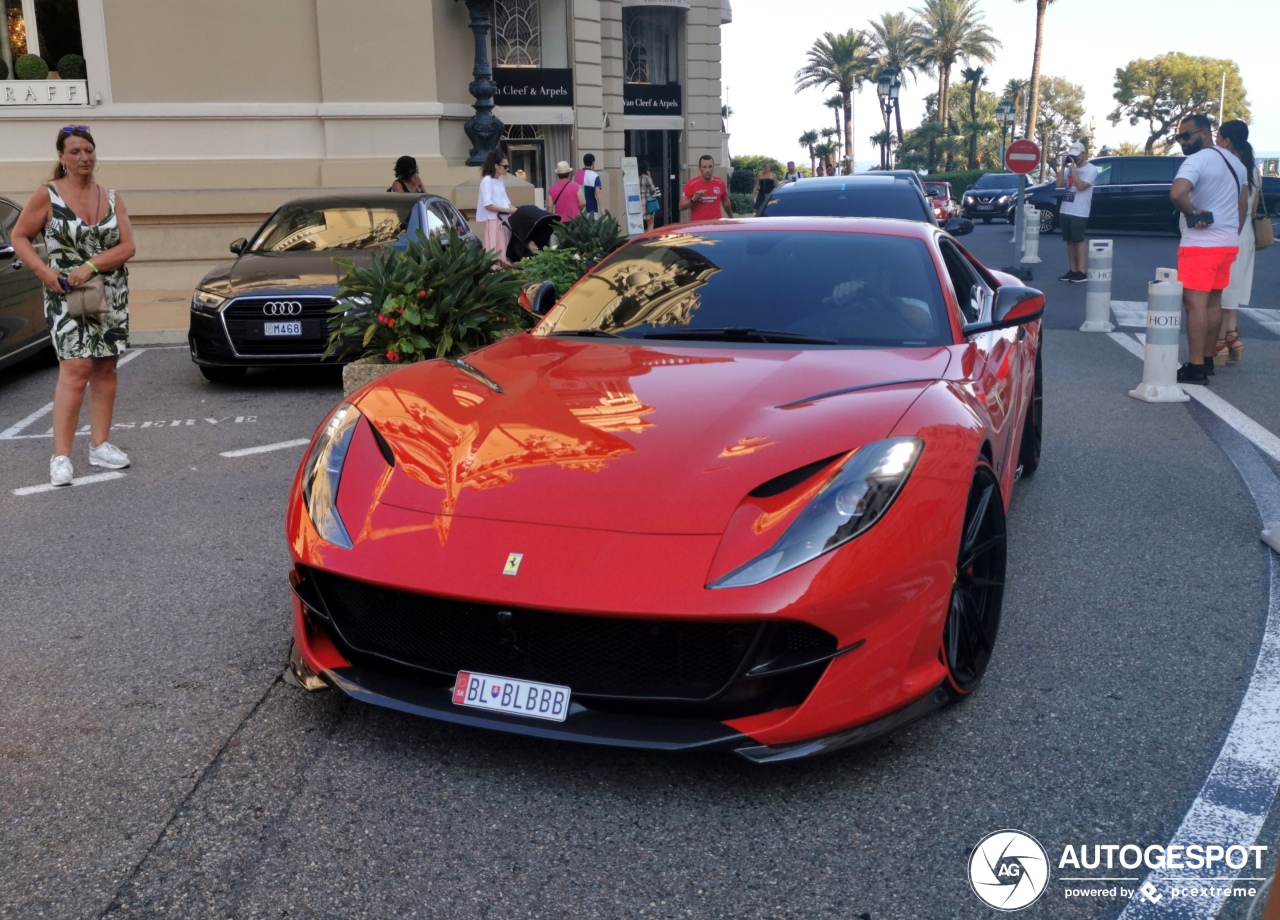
(8, 217)
(445, 213)
(1148, 170)
(1106, 172)
(969, 290)
(435, 226)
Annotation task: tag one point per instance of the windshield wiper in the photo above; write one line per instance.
(590, 333)
(741, 334)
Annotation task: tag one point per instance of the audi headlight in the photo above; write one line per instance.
(323, 472)
(206, 302)
(855, 498)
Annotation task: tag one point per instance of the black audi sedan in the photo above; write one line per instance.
(269, 307)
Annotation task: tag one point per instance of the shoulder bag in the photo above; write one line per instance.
(1263, 234)
(90, 299)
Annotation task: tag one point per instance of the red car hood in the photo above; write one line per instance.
(636, 439)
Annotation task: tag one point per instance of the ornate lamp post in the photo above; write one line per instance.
(1004, 115)
(887, 88)
(483, 128)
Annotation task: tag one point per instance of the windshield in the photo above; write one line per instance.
(335, 225)
(937, 190)
(761, 286)
(997, 180)
(891, 200)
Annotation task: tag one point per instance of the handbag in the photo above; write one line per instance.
(1263, 234)
(90, 299)
(654, 204)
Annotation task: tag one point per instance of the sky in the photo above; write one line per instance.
(1085, 41)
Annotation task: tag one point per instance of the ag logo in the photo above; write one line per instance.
(513, 564)
(1008, 870)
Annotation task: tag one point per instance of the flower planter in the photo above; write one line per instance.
(358, 373)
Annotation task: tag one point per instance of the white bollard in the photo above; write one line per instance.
(1164, 329)
(1030, 233)
(1272, 537)
(1097, 298)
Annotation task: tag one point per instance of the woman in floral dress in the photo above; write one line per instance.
(86, 231)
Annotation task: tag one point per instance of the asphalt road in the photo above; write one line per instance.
(153, 763)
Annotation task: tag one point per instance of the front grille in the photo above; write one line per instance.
(246, 323)
(606, 658)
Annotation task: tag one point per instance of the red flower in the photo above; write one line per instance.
(422, 293)
(392, 356)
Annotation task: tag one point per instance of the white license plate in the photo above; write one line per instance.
(515, 697)
(282, 329)
(985, 207)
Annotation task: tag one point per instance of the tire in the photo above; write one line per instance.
(977, 595)
(1032, 425)
(223, 374)
(1048, 221)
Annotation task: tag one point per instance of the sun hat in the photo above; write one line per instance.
(563, 168)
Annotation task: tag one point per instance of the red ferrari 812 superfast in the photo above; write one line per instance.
(742, 488)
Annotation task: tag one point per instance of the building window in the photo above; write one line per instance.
(49, 28)
(517, 33)
(649, 45)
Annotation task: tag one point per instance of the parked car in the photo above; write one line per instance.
(873, 194)
(943, 200)
(792, 440)
(991, 196)
(23, 330)
(270, 307)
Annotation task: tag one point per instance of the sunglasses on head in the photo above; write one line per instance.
(1186, 135)
(68, 129)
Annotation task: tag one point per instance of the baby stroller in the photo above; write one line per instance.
(531, 229)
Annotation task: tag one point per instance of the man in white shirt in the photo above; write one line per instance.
(1211, 192)
(1076, 179)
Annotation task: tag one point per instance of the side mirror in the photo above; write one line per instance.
(239, 246)
(959, 226)
(6, 251)
(538, 297)
(1014, 306)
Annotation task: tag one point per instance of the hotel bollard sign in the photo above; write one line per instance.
(533, 86)
(44, 92)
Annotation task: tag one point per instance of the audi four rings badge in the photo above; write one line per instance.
(282, 308)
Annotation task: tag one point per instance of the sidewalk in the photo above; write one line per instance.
(159, 317)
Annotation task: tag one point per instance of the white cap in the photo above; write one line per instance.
(1076, 149)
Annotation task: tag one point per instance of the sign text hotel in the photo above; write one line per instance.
(44, 92)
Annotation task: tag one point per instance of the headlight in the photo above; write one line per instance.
(855, 498)
(323, 472)
(1003, 199)
(206, 302)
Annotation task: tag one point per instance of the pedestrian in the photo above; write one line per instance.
(407, 179)
(590, 181)
(88, 237)
(1209, 192)
(1076, 178)
(1234, 136)
(792, 174)
(566, 196)
(766, 182)
(492, 204)
(705, 195)
(650, 197)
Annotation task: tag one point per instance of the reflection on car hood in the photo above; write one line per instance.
(269, 273)
(638, 439)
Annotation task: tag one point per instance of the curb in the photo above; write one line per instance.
(157, 337)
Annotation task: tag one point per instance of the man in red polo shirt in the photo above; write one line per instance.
(705, 195)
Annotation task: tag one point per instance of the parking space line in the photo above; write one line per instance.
(1267, 319)
(1130, 313)
(128, 356)
(12, 432)
(78, 481)
(283, 445)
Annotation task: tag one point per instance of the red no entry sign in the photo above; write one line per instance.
(1022, 156)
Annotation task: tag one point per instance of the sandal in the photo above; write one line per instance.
(1221, 353)
(1235, 347)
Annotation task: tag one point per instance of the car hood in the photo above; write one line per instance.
(278, 272)
(627, 438)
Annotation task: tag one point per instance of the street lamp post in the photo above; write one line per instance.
(484, 129)
(1004, 115)
(887, 88)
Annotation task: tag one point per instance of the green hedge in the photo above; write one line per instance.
(741, 203)
(742, 181)
(31, 67)
(71, 67)
(961, 179)
(4, 70)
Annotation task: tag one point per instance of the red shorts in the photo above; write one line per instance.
(1206, 268)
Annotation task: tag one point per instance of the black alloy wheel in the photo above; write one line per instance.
(1032, 426)
(1048, 220)
(223, 374)
(973, 617)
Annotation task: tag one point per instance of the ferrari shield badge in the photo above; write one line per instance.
(513, 564)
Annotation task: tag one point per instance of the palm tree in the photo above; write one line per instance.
(844, 62)
(807, 140)
(1042, 7)
(1014, 91)
(884, 140)
(836, 105)
(975, 77)
(948, 31)
(825, 152)
(896, 44)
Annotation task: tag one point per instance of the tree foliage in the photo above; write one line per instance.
(1061, 115)
(950, 31)
(843, 62)
(1161, 91)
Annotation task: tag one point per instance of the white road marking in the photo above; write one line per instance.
(138, 426)
(12, 432)
(283, 445)
(78, 481)
(1235, 800)
(1130, 313)
(128, 356)
(1268, 319)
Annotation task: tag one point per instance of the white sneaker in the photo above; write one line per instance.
(60, 473)
(109, 456)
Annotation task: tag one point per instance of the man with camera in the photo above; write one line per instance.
(1075, 178)
(1210, 191)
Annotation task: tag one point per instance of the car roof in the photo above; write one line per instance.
(814, 183)
(880, 226)
(360, 199)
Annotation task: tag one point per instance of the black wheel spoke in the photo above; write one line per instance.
(976, 552)
(973, 616)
